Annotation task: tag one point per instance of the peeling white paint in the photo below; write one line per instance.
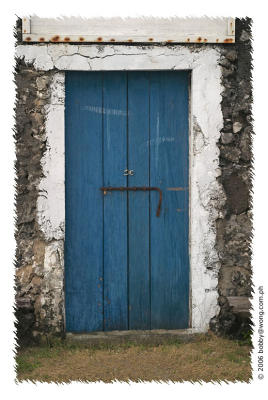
(206, 195)
(38, 55)
(104, 110)
(51, 200)
(57, 89)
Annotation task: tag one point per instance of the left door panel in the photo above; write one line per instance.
(84, 202)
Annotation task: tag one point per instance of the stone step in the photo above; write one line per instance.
(155, 337)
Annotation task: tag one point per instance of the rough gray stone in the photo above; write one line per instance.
(237, 193)
(245, 36)
(237, 126)
(225, 63)
(30, 251)
(227, 137)
(245, 146)
(42, 82)
(234, 231)
(228, 71)
(231, 55)
(230, 153)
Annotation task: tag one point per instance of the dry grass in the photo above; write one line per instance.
(208, 358)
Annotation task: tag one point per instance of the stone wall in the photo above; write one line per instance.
(35, 298)
(234, 231)
(39, 258)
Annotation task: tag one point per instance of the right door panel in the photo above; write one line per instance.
(169, 171)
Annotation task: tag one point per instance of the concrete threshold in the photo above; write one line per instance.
(159, 336)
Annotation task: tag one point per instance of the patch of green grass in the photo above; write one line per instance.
(47, 352)
(24, 365)
(246, 338)
(236, 357)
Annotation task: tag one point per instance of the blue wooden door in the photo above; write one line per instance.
(126, 267)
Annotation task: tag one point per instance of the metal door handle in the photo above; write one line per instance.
(133, 189)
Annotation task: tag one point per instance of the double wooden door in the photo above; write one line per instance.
(126, 267)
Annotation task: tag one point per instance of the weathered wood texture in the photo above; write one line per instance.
(84, 202)
(152, 30)
(115, 272)
(126, 268)
(139, 213)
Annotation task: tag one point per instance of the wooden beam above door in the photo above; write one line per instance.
(128, 30)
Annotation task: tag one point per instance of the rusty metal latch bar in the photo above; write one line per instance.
(134, 189)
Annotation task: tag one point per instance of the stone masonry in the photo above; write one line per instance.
(33, 281)
(234, 231)
(39, 259)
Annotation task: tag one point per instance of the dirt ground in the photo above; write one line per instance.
(207, 358)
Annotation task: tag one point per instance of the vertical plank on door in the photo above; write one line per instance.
(169, 170)
(138, 214)
(83, 202)
(115, 203)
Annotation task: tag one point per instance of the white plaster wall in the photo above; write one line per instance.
(51, 200)
(206, 195)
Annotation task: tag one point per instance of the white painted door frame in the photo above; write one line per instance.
(206, 121)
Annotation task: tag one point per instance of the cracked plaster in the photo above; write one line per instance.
(206, 121)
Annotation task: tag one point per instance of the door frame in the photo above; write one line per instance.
(165, 302)
(206, 195)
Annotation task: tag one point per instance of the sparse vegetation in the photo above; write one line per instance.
(207, 358)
